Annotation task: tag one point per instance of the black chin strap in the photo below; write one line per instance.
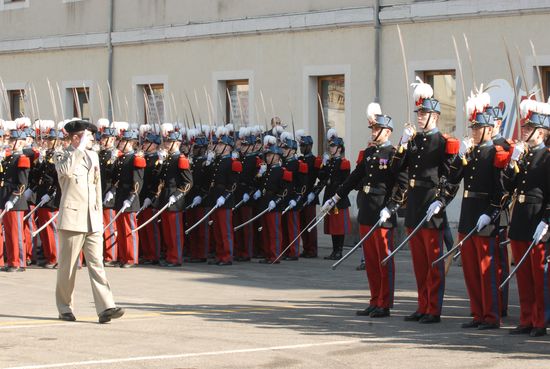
(531, 135)
(428, 121)
(482, 135)
(378, 135)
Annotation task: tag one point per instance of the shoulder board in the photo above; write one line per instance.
(361, 156)
(501, 158)
(345, 164)
(139, 162)
(237, 166)
(302, 167)
(445, 136)
(183, 162)
(23, 162)
(318, 162)
(452, 146)
(287, 175)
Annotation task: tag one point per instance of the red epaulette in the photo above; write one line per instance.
(345, 164)
(302, 167)
(259, 162)
(24, 162)
(36, 155)
(287, 175)
(501, 157)
(183, 162)
(318, 162)
(139, 162)
(361, 156)
(237, 166)
(452, 146)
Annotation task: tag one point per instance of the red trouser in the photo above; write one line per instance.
(30, 227)
(426, 246)
(503, 268)
(16, 247)
(337, 222)
(244, 237)
(223, 234)
(200, 235)
(533, 285)
(173, 235)
(127, 242)
(480, 263)
(271, 234)
(149, 236)
(48, 236)
(381, 278)
(291, 230)
(109, 237)
(1, 246)
(309, 239)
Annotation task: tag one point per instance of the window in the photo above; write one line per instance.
(545, 72)
(13, 4)
(444, 85)
(236, 110)
(17, 103)
(153, 97)
(79, 97)
(331, 89)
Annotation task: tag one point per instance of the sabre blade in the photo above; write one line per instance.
(374, 227)
(396, 250)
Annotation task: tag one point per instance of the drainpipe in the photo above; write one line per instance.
(110, 55)
(377, 29)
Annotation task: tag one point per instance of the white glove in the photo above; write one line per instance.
(385, 214)
(434, 209)
(246, 197)
(8, 206)
(519, 150)
(271, 205)
(329, 204)
(45, 198)
(28, 193)
(84, 140)
(484, 220)
(263, 169)
(220, 201)
(465, 146)
(114, 154)
(147, 202)
(325, 158)
(172, 200)
(257, 195)
(541, 230)
(292, 204)
(108, 197)
(196, 201)
(126, 204)
(408, 132)
(310, 198)
(210, 157)
(162, 154)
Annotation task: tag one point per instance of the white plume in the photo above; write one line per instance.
(230, 127)
(483, 101)
(527, 106)
(286, 135)
(102, 123)
(120, 126)
(46, 125)
(192, 133)
(373, 109)
(221, 131)
(145, 128)
(133, 126)
(331, 133)
(244, 131)
(421, 90)
(23, 122)
(61, 125)
(270, 140)
(277, 130)
(9, 125)
(205, 129)
(166, 128)
(544, 108)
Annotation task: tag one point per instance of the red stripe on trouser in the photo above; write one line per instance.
(244, 237)
(127, 242)
(291, 230)
(531, 277)
(109, 236)
(309, 239)
(172, 230)
(200, 235)
(271, 233)
(223, 231)
(381, 278)
(149, 236)
(14, 236)
(48, 236)
(430, 282)
(480, 267)
(503, 268)
(30, 226)
(1, 246)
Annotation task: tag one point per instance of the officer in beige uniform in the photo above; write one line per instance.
(80, 223)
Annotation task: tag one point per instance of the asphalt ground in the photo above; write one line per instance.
(298, 314)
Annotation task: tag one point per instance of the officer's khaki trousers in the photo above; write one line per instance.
(71, 243)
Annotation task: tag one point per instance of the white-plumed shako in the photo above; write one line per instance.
(192, 133)
(527, 106)
(102, 123)
(166, 128)
(23, 122)
(299, 134)
(270, 140)
(331, 134)
(483, 101)
(285, 136)
(471, 104)
(277, 130)
(244, 131)
(373, 109)
(9, 125)
(46, 125)
(221, 131)
(421, 90)
(120, 126)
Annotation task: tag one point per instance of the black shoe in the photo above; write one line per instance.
(504, 313)
(12, 269)
(50, 265)
(520, 329)
(485, 326)
(538, 332)
(367, 311)
(429, 319)
(361, 267)
(112, 313)
(147, 262)
(241, 259)
(471, 324)
(267, 261)
(414, 317)
(291, 258)
(111, 263)
(380, 313)
(308, 256)
(332, 256)
(224, 263)
(127, 265)
(197, 260)
(171, 265)
(68, 317)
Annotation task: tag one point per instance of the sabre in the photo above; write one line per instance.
(514, 82)
(513, 272)
(2, 214)
(294, 240)
(359, 244)
(392, 254)
(538, 69)
(42, 202)
(201, 220)
(191, 110)
(455, 247)
(470, 59)
(461, 74)
(152, 218)
(240, 203)
(324, 120)
(318, 220)
(143, 207)
(35, 233)
(403, 55)
(505, 243)
(251, 220)
(114, 219)
(155, 103)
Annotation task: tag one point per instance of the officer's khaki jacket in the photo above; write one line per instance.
(80, 209)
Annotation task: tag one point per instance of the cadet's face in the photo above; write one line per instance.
(271, 158)
(536, 137)
(332, 150)
(422, 118)
(479, 134)
(380, 135)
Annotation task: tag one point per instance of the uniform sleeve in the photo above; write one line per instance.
(66, 162)
(399, 192)
(352, 180)
(450, 187)
(546, 214)
(23, 169)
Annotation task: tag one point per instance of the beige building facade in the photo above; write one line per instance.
(175, 60)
